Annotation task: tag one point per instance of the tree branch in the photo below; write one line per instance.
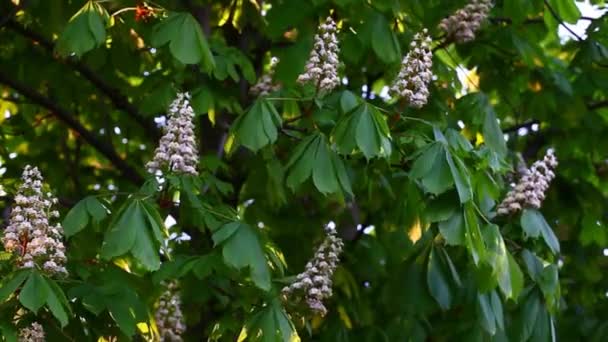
(561, 22)
(597, 105)
(516, 128)
(70, 120)
(119, 100)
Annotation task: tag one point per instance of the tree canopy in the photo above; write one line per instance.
(323, 170)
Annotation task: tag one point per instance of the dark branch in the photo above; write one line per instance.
(561, 22)
(597, 105)
(516, 128)
(119, 100)
(70, 120)
(505, 20)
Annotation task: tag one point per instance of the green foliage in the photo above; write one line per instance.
(258, 127)
(314, 157)
(137, 231)
(186, 40)
(85, 31)
(84, 86)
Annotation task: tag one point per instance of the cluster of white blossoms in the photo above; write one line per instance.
(530, 191)
(314, 284)
(32, 333)
(168, 316)
(29, 233)
(265, 84)
(177, 151)
(322, 65)
(415, 74)
(462, 25)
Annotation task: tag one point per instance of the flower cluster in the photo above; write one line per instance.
(265, 84)
(29, 233)
(322, 65)
(530, 191)
(32, 333)
(462, 25)
(314, 284)
(415, 74)
(177, 151)
(168, 316)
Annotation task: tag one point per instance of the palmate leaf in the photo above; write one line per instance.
(89, 209)
(186, 40)
(437, 280)
(314, 157)
(138, 230)
(534, 224)
(39, 291)
(241, 248)
(257, 127)
(363, 128)
(85, 30)
(498, 259)
(269, 324)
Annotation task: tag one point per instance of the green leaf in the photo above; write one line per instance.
(533, 264)
(186, 40)
(84, 31)
(384, 40)
(225, 232)
(473, 238)
(257, 127)
(363, 127)
(517, 277)
(349, 101)
(80, 215)
(323, 174)
(496, 303)
(97, 211)
(269, 324)
(530, 310)
(11, 283)
(486, 313)
(438, 281)
(35, 292)
(461, 177)
(566, 10)
(56, 305)
(145, 249)
(313, 156)
(121, 236)
(453, 229)
(341, 174)
(423, 164)
(492, 134)
(137, 231)
(8, 332)
(243, 249)
(76, 219)
(497, 258)
(534, 224)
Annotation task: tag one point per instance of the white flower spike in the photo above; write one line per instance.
(465, 22)
(32, 333)
(530, 191)
(314, 284)
(322, 65)
(266, 85)
(177, 151)
(415, 74)
(29, 233)
(169, 317)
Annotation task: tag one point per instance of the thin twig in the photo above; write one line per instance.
(561, 22)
